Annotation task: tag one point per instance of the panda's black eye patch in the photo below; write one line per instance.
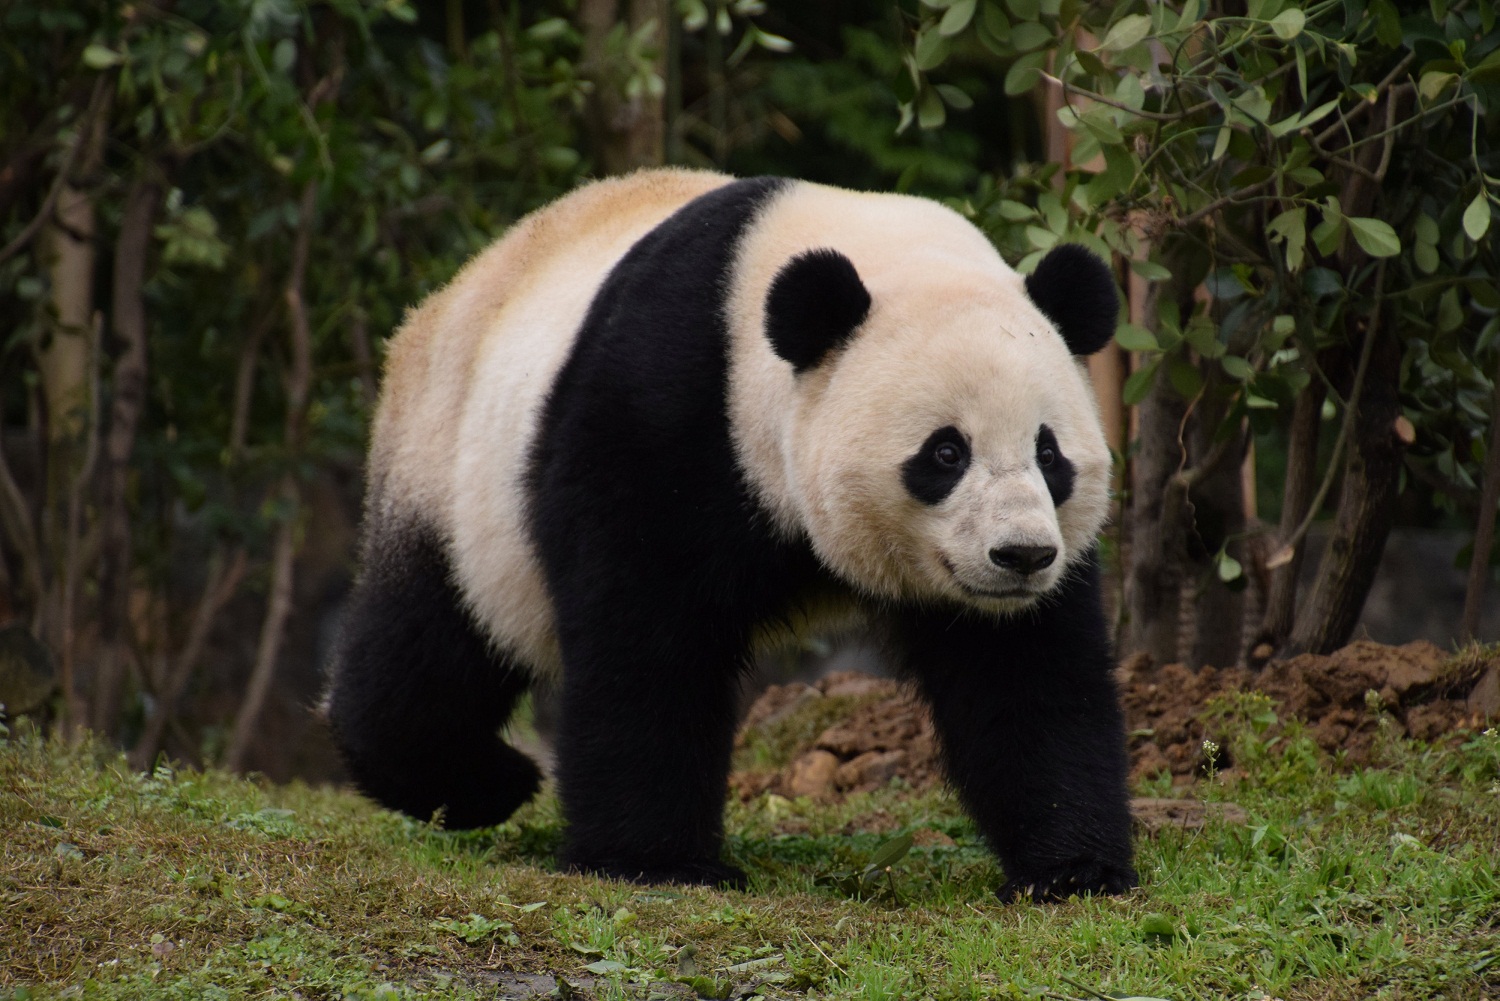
(1055, 467)
(935, 469)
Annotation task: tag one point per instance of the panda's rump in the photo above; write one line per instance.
(467, 375)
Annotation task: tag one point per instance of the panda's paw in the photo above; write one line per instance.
(1080, 877)
(704, 873)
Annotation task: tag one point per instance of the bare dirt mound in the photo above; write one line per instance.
(851, 732)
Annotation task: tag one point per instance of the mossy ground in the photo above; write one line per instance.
(1347, 883)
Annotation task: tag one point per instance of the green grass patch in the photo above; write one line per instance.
(1346, 883)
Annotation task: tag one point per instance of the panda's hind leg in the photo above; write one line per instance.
(417, 696)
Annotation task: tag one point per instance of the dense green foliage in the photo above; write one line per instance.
(1345, 882)
(416, 158)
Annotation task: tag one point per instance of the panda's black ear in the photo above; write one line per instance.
(815, 304)
(1077, 292)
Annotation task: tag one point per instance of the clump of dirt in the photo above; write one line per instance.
(868, 731)
(850, 732)
(1422, 691)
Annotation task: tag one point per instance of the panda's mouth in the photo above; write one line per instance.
(1009, 594)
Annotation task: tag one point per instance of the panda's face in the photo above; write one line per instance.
(952, 450)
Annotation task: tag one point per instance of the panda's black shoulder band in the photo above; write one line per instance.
(815, 304)
(1076, 291)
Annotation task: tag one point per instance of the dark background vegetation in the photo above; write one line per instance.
(212, 214)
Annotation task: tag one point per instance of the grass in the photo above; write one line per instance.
(1346, 883)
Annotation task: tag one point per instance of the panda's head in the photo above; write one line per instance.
(944, 441)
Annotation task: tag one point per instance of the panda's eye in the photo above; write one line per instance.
(948, 454)
(1046, 456)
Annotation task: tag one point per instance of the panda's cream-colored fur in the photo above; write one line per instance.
(951, 339)
(467, 374)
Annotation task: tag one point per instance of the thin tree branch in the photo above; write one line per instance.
(1484, 529)
(222, 582)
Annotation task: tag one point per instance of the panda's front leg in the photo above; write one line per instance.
(647, 726)
(1033, 737)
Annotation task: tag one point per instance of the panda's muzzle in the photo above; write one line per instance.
(1024, 560)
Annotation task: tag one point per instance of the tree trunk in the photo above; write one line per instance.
(1155, 519)
(1366, 507)
(129, 400)
(1217, 521)
(626, 129)
(1484, 528)
(1301, 476)
(1153, 585)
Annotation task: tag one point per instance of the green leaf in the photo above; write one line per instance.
(1040, 237)
(1427, 230)
(1127, 31)
(101, 57)
(1477, 216)
(1138, 386)
(284, 55)
(1150, 270)
(1101, 126)
(1202, 337)
(1026, 10)
(605, 966)
(1387, 23)
(1229, 568)
(1014, 211)
(1426, 257)
(1291, 228)
(930, 111)
(1375, 236)
(1288, 24)
(1029, 35)
(957, 17)
(892, 851)
(1450, 314)
(1221, 144)
(1023, 74)
(1133, 338)
(931, 49)
(1184, 377)
(1237, 367)
(1158, 925)
(955, 98)
(994, 28)
(1434, 83)
(772, 43)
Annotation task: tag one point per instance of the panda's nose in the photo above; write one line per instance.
(1024, 560)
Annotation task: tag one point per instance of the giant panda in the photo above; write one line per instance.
(675, 417)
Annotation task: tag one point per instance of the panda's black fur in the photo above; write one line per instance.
(661, 562)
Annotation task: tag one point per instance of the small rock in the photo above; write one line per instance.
(870, 770)
(1484, 699)
(813, 774)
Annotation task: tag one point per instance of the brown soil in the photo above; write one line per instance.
(883, 733)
